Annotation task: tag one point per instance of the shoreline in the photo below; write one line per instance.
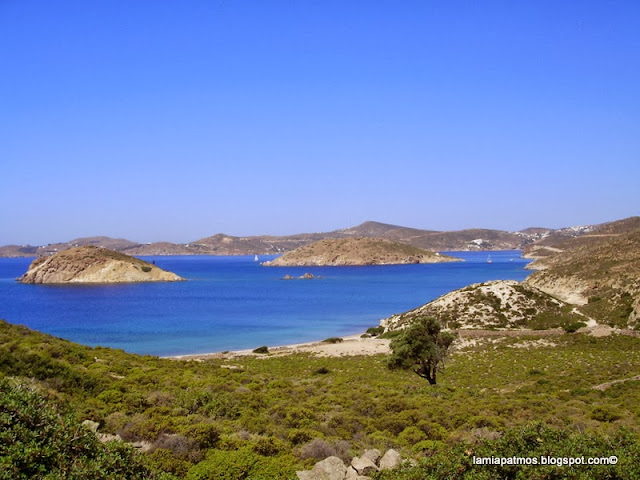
(353, 345)
(350, 345)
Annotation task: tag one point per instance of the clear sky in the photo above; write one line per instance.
(175, 120)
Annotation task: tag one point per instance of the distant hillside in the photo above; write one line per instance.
(357, 251)
(568, 238)
(116, 244)
(498, 304)
(602, 274)
(91, 264)
(536, 241)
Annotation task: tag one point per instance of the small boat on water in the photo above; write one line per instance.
(489, 259)
(255, 258)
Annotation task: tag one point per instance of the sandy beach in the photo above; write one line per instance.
(357, 345)
(351, 345)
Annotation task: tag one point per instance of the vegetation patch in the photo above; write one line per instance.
(279, 413)
(333, 340)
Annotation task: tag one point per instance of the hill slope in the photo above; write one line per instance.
(91, 264)
(496, 304)
(603, 275)
(569, 238)
(357, 251)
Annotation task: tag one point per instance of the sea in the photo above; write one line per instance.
(232, 302)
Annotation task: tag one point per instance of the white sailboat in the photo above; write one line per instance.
(489, 259)
(255, 258)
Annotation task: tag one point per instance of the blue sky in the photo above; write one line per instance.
(167, 120)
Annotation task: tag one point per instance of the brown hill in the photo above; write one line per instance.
(602, 273)
(89, 264)
(573, 237)
(116, 244)
(536, 242)
(357, 251)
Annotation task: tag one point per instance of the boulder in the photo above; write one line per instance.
(331, 468)
(364, 465)
(390, 460)
(374, 455)
(308, 475)
(353, 475)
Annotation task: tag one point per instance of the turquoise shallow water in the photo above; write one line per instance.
(233, 303)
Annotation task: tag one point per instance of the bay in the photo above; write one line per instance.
(231, 302)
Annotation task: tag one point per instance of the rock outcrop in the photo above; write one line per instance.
(333, 468)
(306, 276)
(357, 251)
(91, 264)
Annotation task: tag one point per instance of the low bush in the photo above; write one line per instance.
(36, 441)
(533, 441)
(573, 327)
(374, 331)
(333, 340)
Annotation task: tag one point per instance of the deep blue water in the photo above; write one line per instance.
(233, 303)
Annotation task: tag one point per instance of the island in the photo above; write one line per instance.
(357, 251)
(90, 264)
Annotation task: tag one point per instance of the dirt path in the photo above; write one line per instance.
(603, 386)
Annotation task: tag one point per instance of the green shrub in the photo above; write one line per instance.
(240, 464)
(605, 414)
(206, 435)
(269, 446)
(573, 327)
(297, 436)
(145, 268)
(373, 331)
(37, 441)
(411, 435)
(391, 334)
(262, 349)
(533, 441)
(333, 340)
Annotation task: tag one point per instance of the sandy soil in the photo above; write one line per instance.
(352, 345)
(356, 345)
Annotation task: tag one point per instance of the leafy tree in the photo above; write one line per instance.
(422, 347)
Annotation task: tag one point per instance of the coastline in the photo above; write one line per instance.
(351, 345)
